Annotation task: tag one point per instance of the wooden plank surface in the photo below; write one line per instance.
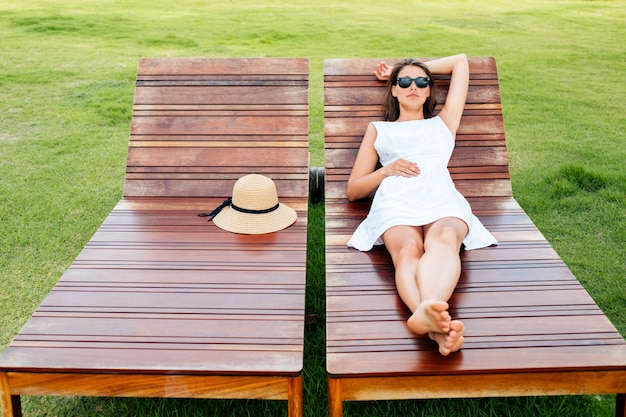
(200, 124)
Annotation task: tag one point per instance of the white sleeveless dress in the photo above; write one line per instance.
(419, 200)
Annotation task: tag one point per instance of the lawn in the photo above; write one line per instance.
(67, 71)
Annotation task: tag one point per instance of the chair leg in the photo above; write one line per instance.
(335, 400)
(620, 405)
(295, 397)
(17, 405)
(10, 405)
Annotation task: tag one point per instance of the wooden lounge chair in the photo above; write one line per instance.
(160, 302)
(531, 328)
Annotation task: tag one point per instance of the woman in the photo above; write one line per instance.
(417, 212)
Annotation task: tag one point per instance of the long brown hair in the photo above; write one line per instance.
(391, 107)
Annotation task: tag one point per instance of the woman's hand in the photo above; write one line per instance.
(383, 71)
(401, 167)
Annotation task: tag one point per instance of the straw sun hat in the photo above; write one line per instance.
(254, 208)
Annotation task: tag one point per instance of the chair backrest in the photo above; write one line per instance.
(200, 124)
(353, 98)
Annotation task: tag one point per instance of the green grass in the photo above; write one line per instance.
(66, 90)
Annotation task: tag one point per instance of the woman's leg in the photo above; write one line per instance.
(437, 276)
(440, 268)
(405, 244)
(427, 271)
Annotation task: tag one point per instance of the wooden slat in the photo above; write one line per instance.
(223, 67)
(474, 385)
(527, 318)
(232, 93)
(165, 386)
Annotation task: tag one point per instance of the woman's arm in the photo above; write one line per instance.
(458, 67)
(364, 177)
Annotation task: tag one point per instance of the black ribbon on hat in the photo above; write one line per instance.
(229, 202)
(215, 212)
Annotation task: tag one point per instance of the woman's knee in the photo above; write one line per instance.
(411, 249)
(404, 243)
(448, 234)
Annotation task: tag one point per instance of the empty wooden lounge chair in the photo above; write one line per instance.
(161, 302)
(531, 328)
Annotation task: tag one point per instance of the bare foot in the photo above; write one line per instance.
(451, 341)
(430, 316)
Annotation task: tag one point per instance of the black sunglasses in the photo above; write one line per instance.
(420, 82)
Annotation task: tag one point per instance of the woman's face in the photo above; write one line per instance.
(412, 97)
